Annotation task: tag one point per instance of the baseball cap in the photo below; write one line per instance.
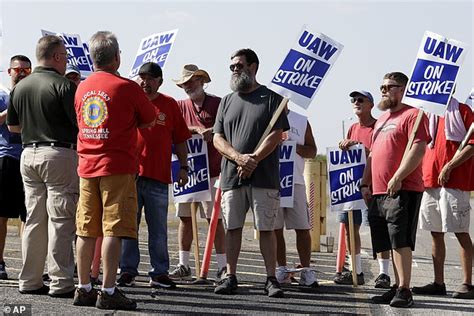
(362, 92)
(72, 68)
(152, 69)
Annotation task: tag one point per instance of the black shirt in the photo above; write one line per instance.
(43, 105)
(242, 119)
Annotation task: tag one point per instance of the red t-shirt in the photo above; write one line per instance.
(443, 151)
(204, 117)
(108, 109)
(154, 143)
(390, 138)
(361, 134)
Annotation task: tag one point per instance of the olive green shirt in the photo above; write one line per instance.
(43, 105)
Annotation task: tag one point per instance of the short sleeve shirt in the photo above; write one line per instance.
(390, 138)
(204, 117)
(109, 108)
(242, 120)
(443, 151)
(155, 143)
(361, 134)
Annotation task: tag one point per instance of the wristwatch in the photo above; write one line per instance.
(363, 186)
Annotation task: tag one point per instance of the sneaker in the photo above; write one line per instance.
(115, 301)
(382, 281)
(126, 279)
(228, 285)
(403, 298)
(95, 281)
(386, 297)
(221, 273)
(3, 272)
(282, 275)
(272, 288)
(181, 272)
(162, 281)
(465, 291)
(84, 298)
(430, 289)
(346, 278)
(308, 278)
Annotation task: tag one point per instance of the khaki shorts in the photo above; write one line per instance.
(298, 216)
(107, 207)
(264, 203)
(445, 210)
(205, 208)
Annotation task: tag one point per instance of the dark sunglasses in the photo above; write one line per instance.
(237, 67)
(359, 99)
(18, 70)
(388, 87)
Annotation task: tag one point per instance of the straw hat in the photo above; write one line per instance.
(190, 71)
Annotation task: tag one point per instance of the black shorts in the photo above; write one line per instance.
(12, 196)
(393, 220)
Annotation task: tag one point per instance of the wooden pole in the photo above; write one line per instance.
(197, 263)
(352, 248)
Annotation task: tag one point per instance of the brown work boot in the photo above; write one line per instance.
(84, 298)
(115, 301)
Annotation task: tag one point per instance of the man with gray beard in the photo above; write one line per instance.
(249, 174)
(397, 185)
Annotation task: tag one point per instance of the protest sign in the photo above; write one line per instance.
(154, 48)
(287, 173)
(434, 74)
(198, 187)
(470, 99)
(345, 170)
(305, 67)
(76, 53)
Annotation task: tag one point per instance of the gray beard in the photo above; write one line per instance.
(240, 83)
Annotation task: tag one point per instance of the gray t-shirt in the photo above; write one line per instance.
(242, 119)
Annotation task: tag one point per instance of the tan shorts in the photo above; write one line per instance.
(107, 207)
(205, 208)
(298, 216)
(264, 203)
(445, 210)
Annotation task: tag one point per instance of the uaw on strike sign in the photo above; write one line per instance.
(154, 48)
(434, 74)
(345, 170)
(305, 67)
(287, 173)
(198, 188)
(78, 52)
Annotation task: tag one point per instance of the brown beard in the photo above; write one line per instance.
(386, 104)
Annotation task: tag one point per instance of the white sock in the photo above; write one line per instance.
(87, 287)
(184, 258)
(109, 290)
(358, 264)
(221, 260)
(384, 264)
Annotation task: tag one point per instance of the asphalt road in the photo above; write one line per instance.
(329, 298)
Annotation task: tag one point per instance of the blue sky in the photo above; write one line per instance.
(378, 37)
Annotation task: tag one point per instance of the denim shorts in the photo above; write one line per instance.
(343, 217)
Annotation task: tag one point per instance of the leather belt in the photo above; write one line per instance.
(51, 144)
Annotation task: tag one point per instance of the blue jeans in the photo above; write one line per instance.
(153, 196)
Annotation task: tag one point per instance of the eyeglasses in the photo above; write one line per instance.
(388, 87)
(359, 99)
(18, 70)
(237, 67)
